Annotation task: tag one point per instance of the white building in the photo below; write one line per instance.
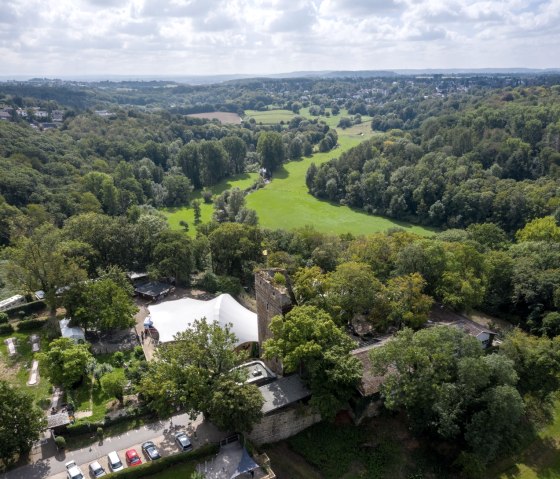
(172, 317)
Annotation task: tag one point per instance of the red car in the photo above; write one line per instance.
(132, 458)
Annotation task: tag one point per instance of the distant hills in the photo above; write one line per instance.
(207, 79)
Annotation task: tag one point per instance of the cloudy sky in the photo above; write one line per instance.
(189, 37)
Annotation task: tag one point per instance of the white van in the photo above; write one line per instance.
(12, 302)
(115, 463)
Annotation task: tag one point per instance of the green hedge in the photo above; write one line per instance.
(88, 427)
(27, 308)
(31, 324)
(153, 467)
(6, 329)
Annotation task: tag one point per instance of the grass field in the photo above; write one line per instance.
(286, 203)
(271, 117)
(540, 460)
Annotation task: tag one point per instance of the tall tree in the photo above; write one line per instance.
(196, 373)
(101, 304)
(21, 423)
(271, 150)
(450, 389)
(308, 340)
(65, 363)
(173, 256)
(46, 261)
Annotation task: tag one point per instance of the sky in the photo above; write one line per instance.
(58, 38)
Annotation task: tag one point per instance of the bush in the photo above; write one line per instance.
(60, 442)
(31, 324)
(6, 329)
(138, 352)
(279, 279)
(118, 358)
(26, 309)
(3, 318)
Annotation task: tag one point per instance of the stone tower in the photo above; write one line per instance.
(273, 299)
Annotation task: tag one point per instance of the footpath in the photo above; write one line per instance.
(47, 462)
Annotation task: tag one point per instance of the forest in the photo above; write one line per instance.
(477, 158)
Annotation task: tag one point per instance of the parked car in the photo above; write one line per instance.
(132, 458)
(183, 441)
(73, 471)
(150, 451)
(96, 469)
(115, 463)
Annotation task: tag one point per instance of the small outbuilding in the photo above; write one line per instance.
(153, 290)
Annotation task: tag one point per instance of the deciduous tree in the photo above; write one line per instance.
(21, 423)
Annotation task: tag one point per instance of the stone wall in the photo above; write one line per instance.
(283, 424)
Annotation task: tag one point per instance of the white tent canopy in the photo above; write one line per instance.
(172, 317)
(76, 334)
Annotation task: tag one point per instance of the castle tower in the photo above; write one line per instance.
(273, 298)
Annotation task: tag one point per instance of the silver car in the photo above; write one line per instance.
(183, 441)
(96, 469)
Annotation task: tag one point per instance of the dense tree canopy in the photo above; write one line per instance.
(21, 423)
(308, 340)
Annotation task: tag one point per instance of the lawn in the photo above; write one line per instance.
(540, 460)
(285, 202)
(90, 396)
(175, 215)
(17, 369)
(269, 117)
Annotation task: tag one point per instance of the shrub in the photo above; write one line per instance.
(60, 442)
(3, 318)
(26, 309)
(6, 329)
(118, 358)
(138, 352)
(279, 279)
(213, 283)
(31, 324)
(206, 196)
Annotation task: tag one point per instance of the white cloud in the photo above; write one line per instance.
(66, 37)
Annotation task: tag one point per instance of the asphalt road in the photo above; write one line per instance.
(47, 463)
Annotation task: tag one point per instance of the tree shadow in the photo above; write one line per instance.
(280, 174)
(542, 457)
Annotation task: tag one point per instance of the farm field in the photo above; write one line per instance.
(271, 117)
(285, 202)
(223, 116)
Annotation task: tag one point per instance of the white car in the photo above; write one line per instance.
(96, 469)
(115, 463)
(73, 471)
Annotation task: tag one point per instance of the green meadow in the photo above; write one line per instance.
(271, 117)
(285, 202)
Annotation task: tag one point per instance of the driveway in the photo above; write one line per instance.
(46, 462)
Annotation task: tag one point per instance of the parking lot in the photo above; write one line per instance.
(161, 433)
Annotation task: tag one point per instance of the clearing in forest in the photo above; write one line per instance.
(285, 202)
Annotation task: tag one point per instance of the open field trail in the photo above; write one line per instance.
(285, 202)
